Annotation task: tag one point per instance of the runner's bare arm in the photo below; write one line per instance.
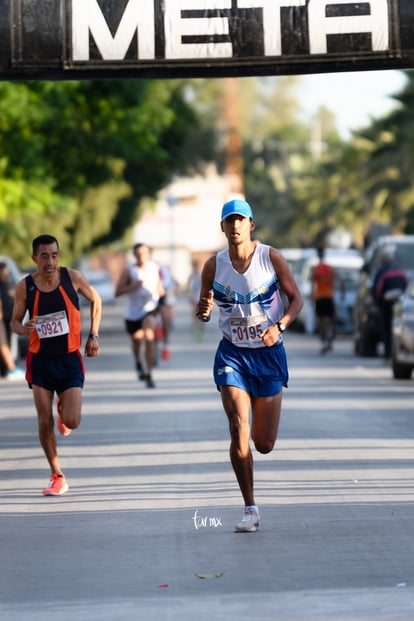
(82, 285)
(160, 288)
(206, 302)
(125, 284)
(288, 285)
(19, 311)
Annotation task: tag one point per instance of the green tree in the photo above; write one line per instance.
(283, 164)
(391, 163)
(80, 155)
(354, 184)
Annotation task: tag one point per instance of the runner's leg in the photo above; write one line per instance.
(43, 400)
(236, 403)
(70, 407)
(265, 421)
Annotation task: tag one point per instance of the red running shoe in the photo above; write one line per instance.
(57, 486)
(62, 429)
(166, 354)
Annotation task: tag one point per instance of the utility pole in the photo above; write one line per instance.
(231, 119)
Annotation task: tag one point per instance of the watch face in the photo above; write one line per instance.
(282, 326)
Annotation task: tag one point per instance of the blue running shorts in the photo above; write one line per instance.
(261, 372)
(55, 374)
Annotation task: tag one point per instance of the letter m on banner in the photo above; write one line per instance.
(89, 21)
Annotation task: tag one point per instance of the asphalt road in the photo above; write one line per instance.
(146, 530)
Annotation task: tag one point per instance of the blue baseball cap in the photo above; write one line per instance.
(236, 206)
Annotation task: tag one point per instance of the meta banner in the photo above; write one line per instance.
(75, 39)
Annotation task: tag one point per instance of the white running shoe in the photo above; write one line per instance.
(15, 375)
(250, 522)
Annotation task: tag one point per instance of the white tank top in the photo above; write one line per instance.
(144, 299)
(250, 302)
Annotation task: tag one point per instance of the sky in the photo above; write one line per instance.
(354, 97)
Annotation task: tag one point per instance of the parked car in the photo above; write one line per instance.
(101, 280)
(402, 357)
(297, 257)
(367, 332)
(347, 264)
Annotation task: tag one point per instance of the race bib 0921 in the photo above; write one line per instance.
(55, 324)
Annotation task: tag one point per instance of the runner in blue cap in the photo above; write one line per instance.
(236, 206)
(249, 283)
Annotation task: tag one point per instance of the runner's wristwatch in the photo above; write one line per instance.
(95, 337)
(204, 318)
(280, 326)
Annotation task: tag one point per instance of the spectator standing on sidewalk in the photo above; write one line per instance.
(389, 283)
(248, 282)
(12, 372)
(7, 300)
(142, 285)
(8, 366)
(54, 362)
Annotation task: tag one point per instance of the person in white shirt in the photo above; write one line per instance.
(142, 285)
(166, 307)
(249, 282)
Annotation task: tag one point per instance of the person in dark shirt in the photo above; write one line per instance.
(6, 298)
(389, 282)
(54, 363)
(8, 368)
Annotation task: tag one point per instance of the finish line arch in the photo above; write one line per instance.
(108, 39)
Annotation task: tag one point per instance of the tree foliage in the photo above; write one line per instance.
(77, 157)
(303, 189)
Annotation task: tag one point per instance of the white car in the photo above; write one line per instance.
(402, 361)
(297, 257)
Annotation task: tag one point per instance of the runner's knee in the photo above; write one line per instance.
(45, 423)
(264, 445)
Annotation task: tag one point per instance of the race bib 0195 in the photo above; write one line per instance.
(248, 331)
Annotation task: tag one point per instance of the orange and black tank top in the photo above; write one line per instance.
(57, 317)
